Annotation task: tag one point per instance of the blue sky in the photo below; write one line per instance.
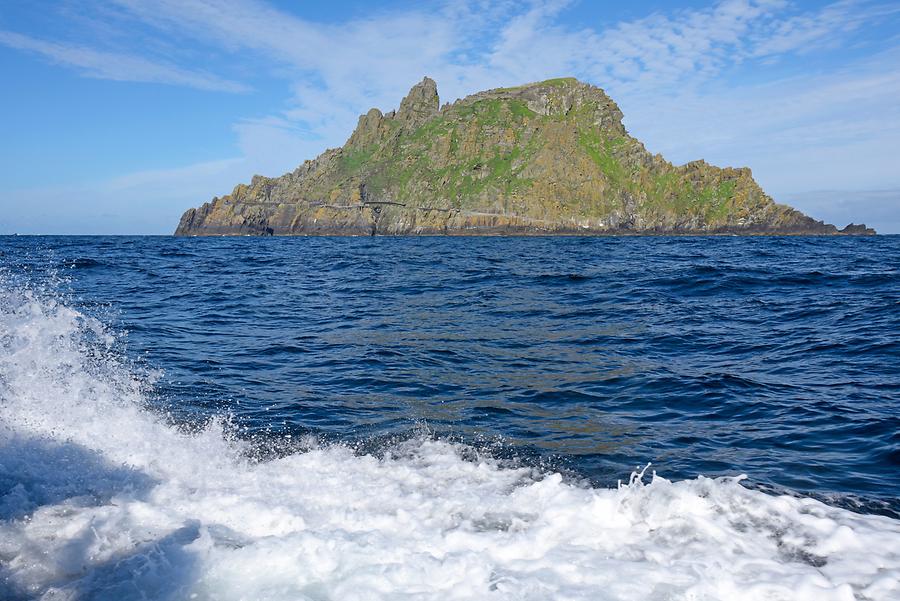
(117, 116)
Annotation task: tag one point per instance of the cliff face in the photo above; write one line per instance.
(549, 157)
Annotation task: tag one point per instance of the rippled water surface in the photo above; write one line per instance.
(774, 357)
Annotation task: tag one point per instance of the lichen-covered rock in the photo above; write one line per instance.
(546, 158)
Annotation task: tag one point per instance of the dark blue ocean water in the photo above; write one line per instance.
(775, 357)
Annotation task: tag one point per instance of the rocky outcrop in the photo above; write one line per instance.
(421, 104)
(546, 158)
(853, 229)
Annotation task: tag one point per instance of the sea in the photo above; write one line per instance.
(450, 418)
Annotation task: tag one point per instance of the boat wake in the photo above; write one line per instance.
(101, 498)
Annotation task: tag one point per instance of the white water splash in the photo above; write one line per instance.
(100, 500)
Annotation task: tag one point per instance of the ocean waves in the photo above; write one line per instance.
(104, 498)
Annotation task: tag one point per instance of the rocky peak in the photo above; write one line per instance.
(858, 230)
(422, 103)
(368, 129)
(559, 97)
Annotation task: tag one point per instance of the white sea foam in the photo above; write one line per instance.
(100, 500)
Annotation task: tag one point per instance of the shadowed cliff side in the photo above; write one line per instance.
(546, 158)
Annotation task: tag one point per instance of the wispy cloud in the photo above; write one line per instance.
(676, 73)
(684, 47)
(118, 67)
(805, 33)
(338, 69)
(350, 65)
(834, 128)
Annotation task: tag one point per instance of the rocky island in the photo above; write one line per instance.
(545, 158)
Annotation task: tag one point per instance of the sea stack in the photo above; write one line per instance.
(544, 158)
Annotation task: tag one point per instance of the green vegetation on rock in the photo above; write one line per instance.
(548, 157)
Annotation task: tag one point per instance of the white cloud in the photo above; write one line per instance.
(118, 67)
(806, 32)
(672, 73)
(339, 70)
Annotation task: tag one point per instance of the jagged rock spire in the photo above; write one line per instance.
(368, 130)
(420, 104)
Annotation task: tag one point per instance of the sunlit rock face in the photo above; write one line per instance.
(548, 157)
